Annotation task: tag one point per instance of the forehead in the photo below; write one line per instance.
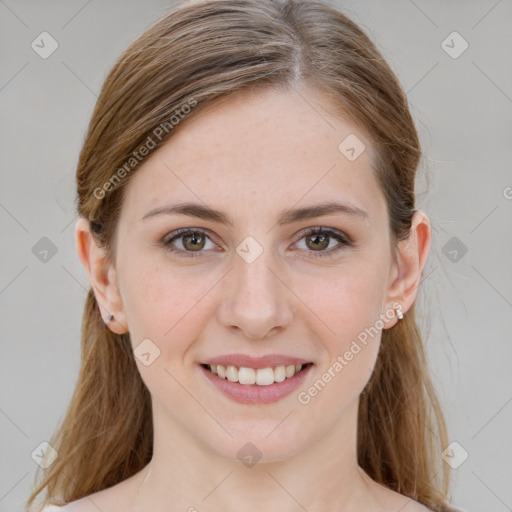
(261, 148)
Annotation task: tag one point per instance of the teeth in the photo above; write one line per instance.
(290, 371)
(279, 374)
(265, 376)
(246, 375)
(260, 376)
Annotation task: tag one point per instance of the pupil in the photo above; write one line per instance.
(194, 239)
(324, 237)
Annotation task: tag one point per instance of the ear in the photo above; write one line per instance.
(406, 276)
(102, 275)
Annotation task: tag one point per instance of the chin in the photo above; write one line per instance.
(259, 442)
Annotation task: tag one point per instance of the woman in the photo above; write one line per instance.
(248, 224)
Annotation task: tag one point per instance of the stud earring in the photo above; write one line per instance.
(109, 318)
(398, 312)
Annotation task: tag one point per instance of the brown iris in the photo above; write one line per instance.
(324, 243)
(193, 240)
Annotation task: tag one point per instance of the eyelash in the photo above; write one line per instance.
(344, 241)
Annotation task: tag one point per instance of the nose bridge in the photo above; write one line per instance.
(255, 279)
(256, 301)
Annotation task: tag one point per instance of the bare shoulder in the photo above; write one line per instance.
(86, 504)
(70, 507)
(113, 499)
(393, 501)
(415, 506)
(81, 505)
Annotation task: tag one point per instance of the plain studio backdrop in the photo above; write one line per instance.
(454, 60)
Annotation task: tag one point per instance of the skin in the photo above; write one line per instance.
(276, 150)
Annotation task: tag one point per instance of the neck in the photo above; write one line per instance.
(184, 474)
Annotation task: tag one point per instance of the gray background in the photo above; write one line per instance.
(463, 110)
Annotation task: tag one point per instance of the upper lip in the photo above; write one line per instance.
(242, 360)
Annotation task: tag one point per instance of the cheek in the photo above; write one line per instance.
(163, 303)
(348, 308)
(345, 303)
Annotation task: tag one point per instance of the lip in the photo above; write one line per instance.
(253, 393)
(255, 362)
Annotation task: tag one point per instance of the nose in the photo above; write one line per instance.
(255, 301)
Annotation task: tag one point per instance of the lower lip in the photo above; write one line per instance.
(253, 393)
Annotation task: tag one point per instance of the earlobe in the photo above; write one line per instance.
(102, 276)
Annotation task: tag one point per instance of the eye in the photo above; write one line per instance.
(191, 240)
(319, 239)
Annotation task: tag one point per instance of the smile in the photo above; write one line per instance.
(259, 376)
(255, 385)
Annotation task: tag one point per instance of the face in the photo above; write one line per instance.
(262, 285)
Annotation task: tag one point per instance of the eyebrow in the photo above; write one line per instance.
(288, 216)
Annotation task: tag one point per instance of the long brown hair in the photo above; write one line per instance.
(197, 53)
